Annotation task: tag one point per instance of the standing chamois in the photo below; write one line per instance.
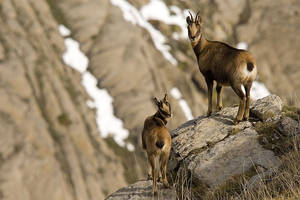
(156, 141)
(224, 64)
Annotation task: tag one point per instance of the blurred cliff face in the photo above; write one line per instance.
(50, 145)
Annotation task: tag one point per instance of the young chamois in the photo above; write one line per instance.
(224, 64)
(156, 141)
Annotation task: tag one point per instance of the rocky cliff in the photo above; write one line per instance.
(48, 130)
(50, 145)
(209, 152)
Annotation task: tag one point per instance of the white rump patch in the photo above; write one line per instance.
(246, 71)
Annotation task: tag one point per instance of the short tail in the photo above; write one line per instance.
(250, 66)
(160, 144)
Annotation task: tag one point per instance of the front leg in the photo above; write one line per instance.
(219, 97)
(210, 84)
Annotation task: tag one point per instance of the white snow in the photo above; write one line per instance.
(130, 147)
(158, 10)
(64, 31)
(175, 93)
(242, 45)
(258, 90)
(130, 13)
(183, 104)
(74, 57)
(107, 123)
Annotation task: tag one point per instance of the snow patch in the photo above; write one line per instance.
(183, 104)
(259, 90)
(158, 10)
(74, 57)
(175, 93)
(64, 31)
(131, 14)
(242, 45)
(107, 123)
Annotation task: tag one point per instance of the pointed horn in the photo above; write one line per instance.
(197, 15)
(191, 16)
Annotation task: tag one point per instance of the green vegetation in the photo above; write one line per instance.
(271, 138)
(235, 130)
(56, 136)
(56, 12)
(292, 112)
(63, 119)
(105, 192)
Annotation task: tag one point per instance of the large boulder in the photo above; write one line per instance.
(213, 149)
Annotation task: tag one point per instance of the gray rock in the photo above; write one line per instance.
(288, 126)
(142, 190)
(267, 108)
(213, 149)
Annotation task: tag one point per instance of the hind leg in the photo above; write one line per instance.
(238, 90)
(154, 166)
(246, 113)
(149, 170)
(164, 162)
(219, 97)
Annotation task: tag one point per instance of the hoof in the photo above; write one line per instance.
(245, 118)
(149, 177)
(155, 193)
(236, 121)
(208, 114)
(166, 185)
(219, 108)
(159, 179)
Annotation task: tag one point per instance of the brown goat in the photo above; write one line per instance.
(156, 141)
(224, 64)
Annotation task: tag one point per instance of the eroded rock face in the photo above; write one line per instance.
(50, 146)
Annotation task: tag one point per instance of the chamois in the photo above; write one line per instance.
(156, 141)
(224, 64)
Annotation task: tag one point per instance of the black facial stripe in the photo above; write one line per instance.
(164, 112)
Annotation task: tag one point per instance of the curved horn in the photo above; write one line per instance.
(191, 16)
(197, 15)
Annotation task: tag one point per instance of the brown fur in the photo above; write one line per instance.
(224, 64)
(156, 141)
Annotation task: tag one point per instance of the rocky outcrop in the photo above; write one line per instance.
(209, 151)
(213, 149)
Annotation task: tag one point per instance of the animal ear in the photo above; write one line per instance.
(155, 101)
(188, 20)
(166, 99)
